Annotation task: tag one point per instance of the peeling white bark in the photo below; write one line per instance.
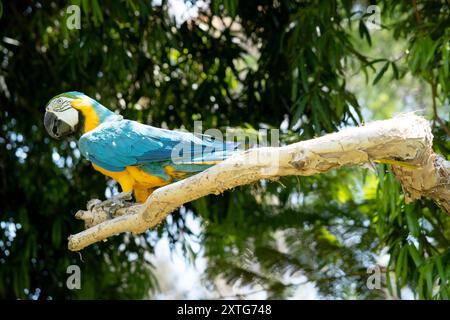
(404, 138)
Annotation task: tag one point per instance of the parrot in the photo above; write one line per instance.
(139, 157)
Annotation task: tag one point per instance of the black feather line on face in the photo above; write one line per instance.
(61, 104)
(80, 125)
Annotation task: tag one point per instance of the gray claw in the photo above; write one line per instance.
(92, 203)
(123, 196)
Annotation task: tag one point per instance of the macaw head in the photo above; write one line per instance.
(61, 119)
(73, 112)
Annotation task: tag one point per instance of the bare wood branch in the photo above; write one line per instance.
(404, 138)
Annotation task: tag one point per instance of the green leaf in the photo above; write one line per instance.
(201, 206)
(420, 284)
(445, 57)
(412, 221)
(405, 269)
(431, 46)
(414, 255)
(443, 278)
(303, 72)
(389, 282)
(374, 61)
(86, 6)
(215, 6)
(294, 86)
(302, 101)
(322, 111)
(399, 265)
(98, 15)
(231, 5)
(395, 70)
(364, 32)
(429, 279)
(381, 73)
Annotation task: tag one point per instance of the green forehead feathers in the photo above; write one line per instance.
(60, 104)
(68, 95)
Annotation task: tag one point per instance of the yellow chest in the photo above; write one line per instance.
(134, 178)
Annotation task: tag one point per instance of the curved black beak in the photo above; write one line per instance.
(55, 127)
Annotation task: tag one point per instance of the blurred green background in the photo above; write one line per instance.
(306, 67)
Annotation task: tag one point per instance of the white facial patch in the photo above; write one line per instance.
(63, 110)
(69, 116)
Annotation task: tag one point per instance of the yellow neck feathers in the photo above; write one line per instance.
(91, 119)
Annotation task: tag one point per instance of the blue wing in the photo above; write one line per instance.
(115, 145)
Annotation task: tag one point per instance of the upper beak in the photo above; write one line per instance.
(56, 127)
(50, 123)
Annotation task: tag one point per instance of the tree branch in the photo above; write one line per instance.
(404, 138)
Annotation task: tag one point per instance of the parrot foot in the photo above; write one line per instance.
(99, 211)
(121, 200)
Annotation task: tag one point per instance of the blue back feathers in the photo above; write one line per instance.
(114, 145)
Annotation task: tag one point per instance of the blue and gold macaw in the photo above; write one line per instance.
(139, 157)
